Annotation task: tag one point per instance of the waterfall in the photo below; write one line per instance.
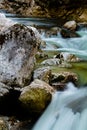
(67, 111)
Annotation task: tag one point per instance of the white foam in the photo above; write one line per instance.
(67, 111)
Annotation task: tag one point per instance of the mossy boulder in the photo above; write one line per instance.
(35, 97)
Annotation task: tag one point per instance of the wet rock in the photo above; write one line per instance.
(62, 9)
(4, 90)
(3, 124)
(22, 125)
(39, 41)
(50, 62)
(60, 79)
(82, 25)
(65, 56)
(36, 96)
(41, 55)
(68, 33)
(17, 55)
(70, 25)
(52, 32)
(43, 74)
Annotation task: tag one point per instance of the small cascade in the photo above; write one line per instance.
(67, 111)
(76, 46)
(5, 22)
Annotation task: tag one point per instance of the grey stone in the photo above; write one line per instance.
(18, 46)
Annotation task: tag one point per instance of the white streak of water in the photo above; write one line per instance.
(67, 111)
(76, 46)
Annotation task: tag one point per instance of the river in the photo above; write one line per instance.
(58, 113)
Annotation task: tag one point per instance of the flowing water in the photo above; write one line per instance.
(68, 109)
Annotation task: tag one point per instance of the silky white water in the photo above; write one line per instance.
(67, 111)
(76, 46)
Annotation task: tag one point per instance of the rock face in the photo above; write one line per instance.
(18, 46)
(56, 3)
(36, 96)
(66, 9)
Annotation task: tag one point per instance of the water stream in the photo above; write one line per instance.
(68, 109)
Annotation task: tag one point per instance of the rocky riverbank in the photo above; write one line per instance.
(69, 10)
(27, 82)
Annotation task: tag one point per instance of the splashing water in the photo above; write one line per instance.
(67, 111)
(76, 46)
(5, 22)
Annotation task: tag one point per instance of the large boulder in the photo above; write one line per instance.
(18, 46)
(36, 96)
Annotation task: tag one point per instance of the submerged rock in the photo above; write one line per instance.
(17, 55)
(36, 96)
(68, 33)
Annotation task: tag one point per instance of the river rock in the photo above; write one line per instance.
(36, 96)
(68, 33)
(3, 124)
(52, 32)
(4, 90)
(70, 25)
(67, 57)
(43, 74)
(17, 55)
(60, 79)
(53, 61)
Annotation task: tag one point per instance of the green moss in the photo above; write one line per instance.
(36, 100)
(79, 68)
